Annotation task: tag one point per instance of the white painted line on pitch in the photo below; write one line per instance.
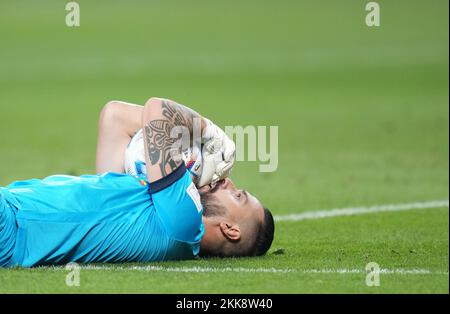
(385, 271)
(362, 210)
(194, 269)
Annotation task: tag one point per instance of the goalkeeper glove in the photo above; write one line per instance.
(219, 149)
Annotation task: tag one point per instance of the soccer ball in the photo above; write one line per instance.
(135, 161)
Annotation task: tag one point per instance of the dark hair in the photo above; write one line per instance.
(265, 234)
(262, 240)
(259, 243)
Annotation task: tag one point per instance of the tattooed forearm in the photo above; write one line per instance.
(177, 114)
(160, 146)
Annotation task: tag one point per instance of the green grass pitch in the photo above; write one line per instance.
(362, 115)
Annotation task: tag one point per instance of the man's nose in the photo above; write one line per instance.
(227, 183)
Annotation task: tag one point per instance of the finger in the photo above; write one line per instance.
(215, 178)
(229, 151)
(223, 168)
(213, 146)
(229, 155)
(211, 158)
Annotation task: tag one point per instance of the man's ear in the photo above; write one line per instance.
(230, 230)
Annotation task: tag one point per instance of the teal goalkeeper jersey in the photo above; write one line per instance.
(105, 218)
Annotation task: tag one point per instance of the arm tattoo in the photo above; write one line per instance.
(160, 143)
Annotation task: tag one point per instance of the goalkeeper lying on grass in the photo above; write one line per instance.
(117, 217)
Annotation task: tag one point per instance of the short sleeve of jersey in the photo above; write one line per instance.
(177, 202)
